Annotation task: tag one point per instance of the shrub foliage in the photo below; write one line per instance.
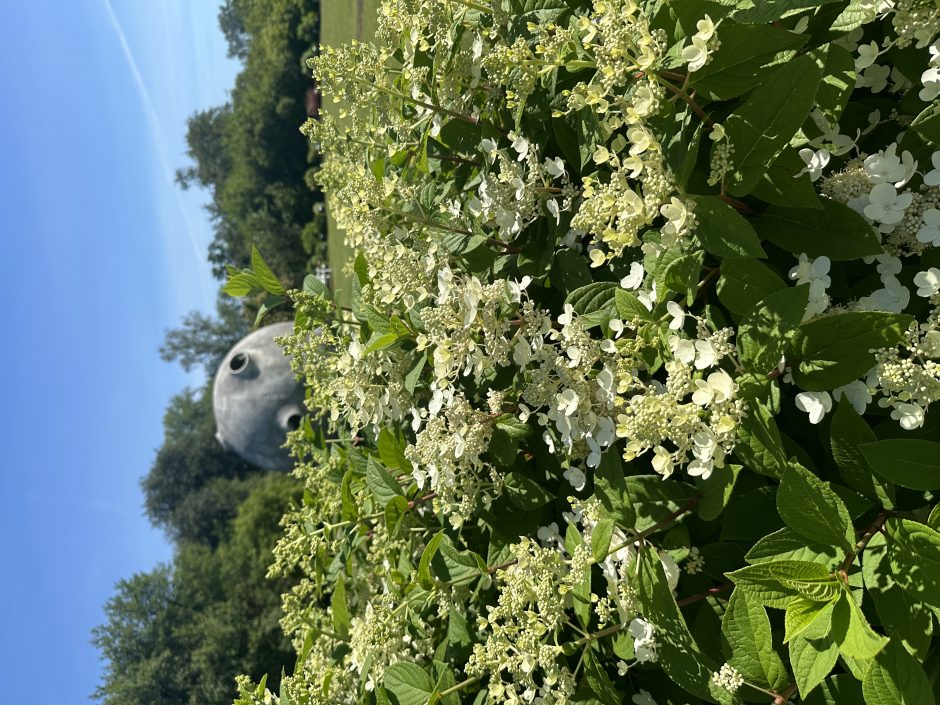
(633, 400)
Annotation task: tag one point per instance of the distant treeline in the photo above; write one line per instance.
(249, 152)
(180, 633)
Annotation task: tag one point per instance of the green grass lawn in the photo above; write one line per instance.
(341, 21)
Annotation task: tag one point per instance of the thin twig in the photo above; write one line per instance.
(873, 529)
(666, 521)
(739, 206)
(705, 594)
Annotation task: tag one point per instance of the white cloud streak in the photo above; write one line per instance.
(159, 142)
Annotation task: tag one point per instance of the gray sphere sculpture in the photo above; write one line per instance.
(257, 400)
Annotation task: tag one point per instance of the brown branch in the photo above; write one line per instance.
(662, 523)
(739, 206)
(708, 277)
(427, 497)
(506, 247)
(705, 594)
(457, 160)
(600, 634)
(673, 76)
(688, 100)
(493, 568)
(785, 694)
(873, 529)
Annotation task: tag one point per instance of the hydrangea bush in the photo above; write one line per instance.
(633, 402)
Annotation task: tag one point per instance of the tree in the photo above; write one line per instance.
(190, 490)
(204, 340)
(249, 153)
(233, 27)
(137, 642)
(182, 632)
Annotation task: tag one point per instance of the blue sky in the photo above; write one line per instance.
(101, 254)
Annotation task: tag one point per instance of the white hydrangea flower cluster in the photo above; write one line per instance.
(908, 219)
(728, 677)
(908, 376)
(893, 296)
(462, 355)
(520, 656)
(381, 637)
(702, 44)
(815, 273)
(447, 451)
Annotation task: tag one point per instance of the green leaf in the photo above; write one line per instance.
(811, 661)
(392, 451)
(835, 230)
(629, 307)
(598, 680)
(781, 187)
(914, 552)
(813, 510)
(857, 13)
(591, 298)
(763, 331)
(716, 491)
(241, 284)
(804, 617)
(682, 274)
(414, 374)
(679, 655)
(933, 521)
(513, 427)
(895, 678)
(268, 305)
(779, 583)
(748, 646)
(902, 616)
(314, 285)
(458, 632)
(378, 322)
(834, 350)
(408, 684)
(525, 493)
(581, 593)
(395, 512)
(744, 282)
(339, 608)
(838, 70)
(840, 689)
(908, 462)
(847, 432)
(653, 500)
(381, 483)
(349, 511)
(425, 579)
(600, 538)
(762, 127)
(927, 125)
(503, 448)
(380, 341)
(569, 271)
(450, 565)
(723, 231)
(759, 445)
(610, 488)
(851, 631)
(741, 61)
(786, 544)
(764, 11)
(266, 278)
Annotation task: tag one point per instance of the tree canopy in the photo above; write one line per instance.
(182, 632)
(249, 154)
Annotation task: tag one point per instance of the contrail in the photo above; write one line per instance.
(156, 136)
